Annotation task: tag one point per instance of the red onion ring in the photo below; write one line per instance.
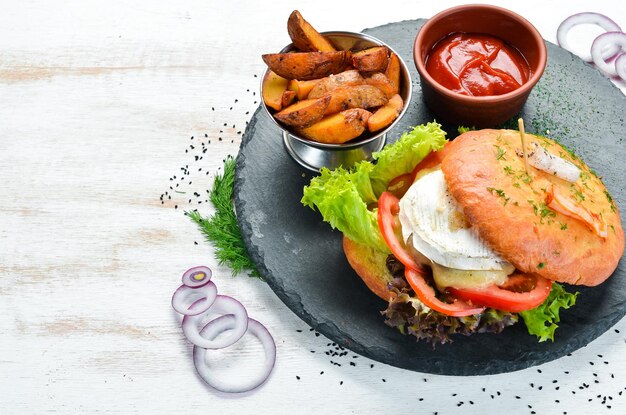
(587, 18)
(191, 301)
(228, 322)
(620, 66)
(197, 276)
(222, 305)
(617, 39)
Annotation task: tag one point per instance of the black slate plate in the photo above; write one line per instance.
(302, 260)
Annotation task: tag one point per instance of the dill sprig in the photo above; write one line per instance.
(221, 229)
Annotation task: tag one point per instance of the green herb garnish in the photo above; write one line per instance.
(542, 210)
(499, 193)
(221, 229)
(500, 152)
(610, 199)
(578, 195)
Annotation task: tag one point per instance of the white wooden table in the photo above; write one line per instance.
(98, 104)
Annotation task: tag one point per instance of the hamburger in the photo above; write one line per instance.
(472, 235)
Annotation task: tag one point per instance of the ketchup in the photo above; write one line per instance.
(476, 64)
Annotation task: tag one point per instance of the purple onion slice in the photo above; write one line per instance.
(587, 18)
(229, 322)
(617, 39)
(222, 305)
(191, 301)
(197, 276)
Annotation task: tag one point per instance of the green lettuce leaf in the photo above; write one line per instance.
(402, 156)
(342, 196)
(541, 321)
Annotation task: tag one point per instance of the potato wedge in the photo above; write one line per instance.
(304, 113)
(273, 87)
(302, 88)
(305, 37)
(307, 65)
(357, 96)
(338, 128)
(288, 98)
(373, 59)
(380, 81)
(384, 116)
(325, 85)
(393, 71)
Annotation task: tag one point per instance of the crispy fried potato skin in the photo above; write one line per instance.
(288, 98)
(382, 82)
(305, 66)
(385, 115)
(305, 37)
(393, 71)
(373, 59)
(357, 96)
(304, 113)
(338, 128)
(326, 85)
(351, 81)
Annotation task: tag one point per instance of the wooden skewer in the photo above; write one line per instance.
(520, 124)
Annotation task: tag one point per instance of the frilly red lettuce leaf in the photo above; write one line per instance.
(410, 316)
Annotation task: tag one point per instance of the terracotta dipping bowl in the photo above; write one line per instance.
(478, 111)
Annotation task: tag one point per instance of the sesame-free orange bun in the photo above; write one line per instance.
(370, 265)
(565, 231)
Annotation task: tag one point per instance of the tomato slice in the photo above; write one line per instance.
(431, 160)
(399, 185)
(388, 208)
(426, 295)
(521, 292)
